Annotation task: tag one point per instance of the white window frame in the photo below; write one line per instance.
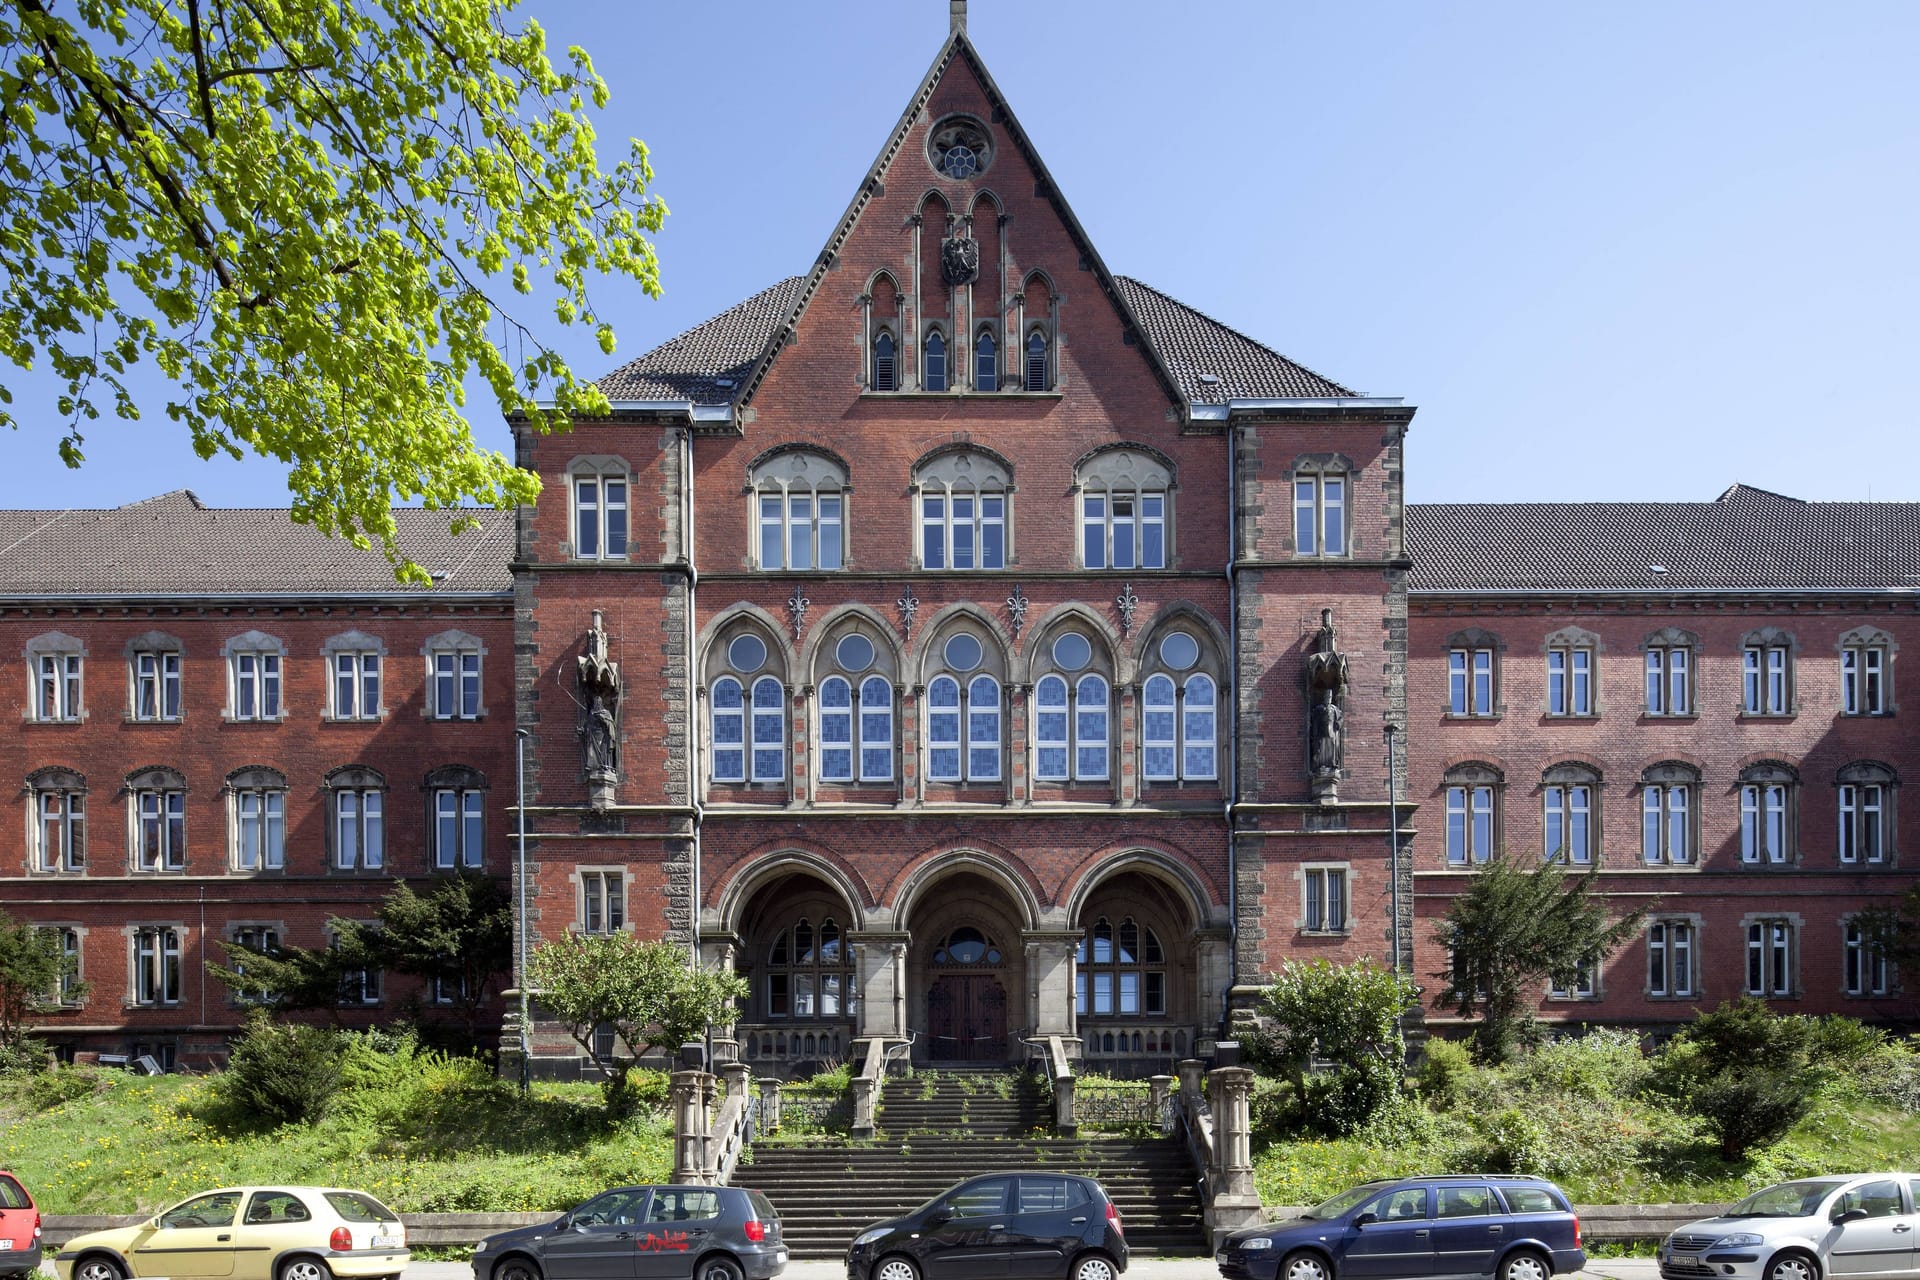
(58, 687)
(1471, 683)
(1468, 803)
(260, 817)
(1773, 959)
(156, 974)
(461, 810)
(1863, 680)
(1570, 806)
(158, 828)
(1672, 958)
(766, 712)
(874, 724)
(359, 988)
(1200, 729)
(1164, 736)
(1766, 823)
(1863, 810)
(1586, 984)
(801, 532)
(1669, 667)
(1105, 533)
(983, 749)
(977, 526)
(1658, 799)
(721, 763)
(1322, 507)
(256, 690)
(261, 937)
(456, 671)
(946, 730)
(603, 515)
(354, 684)
(156, 675)
(1865, 970)
(836, 730)
(359, 812)
(72, 939)
(1326, 899)
(1570, 681)
(1072, 740)
(603, 895)
(1766, 679)
(68, 825)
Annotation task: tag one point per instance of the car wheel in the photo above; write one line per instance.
(1095, 1266)
(99, 1268)
(719, 1268)
(1526, 1265)
(1793, 1265)
(518, 1267)
(305, 1269)
(896, 1268)
(1305, 1265)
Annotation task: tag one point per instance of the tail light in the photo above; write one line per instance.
(36, 1224)
(1576, 1231)
(1113, 1218)
(341, 1241)
(755, 1229)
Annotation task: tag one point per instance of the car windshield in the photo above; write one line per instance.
(1344, 1202)
(1788, 1200)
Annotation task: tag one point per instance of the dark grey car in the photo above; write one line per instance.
(644, 1233)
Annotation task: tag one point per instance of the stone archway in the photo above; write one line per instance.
(966, 971)
(796, 950)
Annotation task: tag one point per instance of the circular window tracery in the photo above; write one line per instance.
(964, 652)
(747, 653)
(855, 652)
(959, 148)
(1072, 651)
(966, 946)
(1179, 651)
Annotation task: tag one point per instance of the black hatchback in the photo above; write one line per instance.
(1509, 1227)
(644, 1233)
(1025, 1226)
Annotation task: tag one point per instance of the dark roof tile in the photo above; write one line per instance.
(692, 365)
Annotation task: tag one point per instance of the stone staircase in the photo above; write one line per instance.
(940, 1127)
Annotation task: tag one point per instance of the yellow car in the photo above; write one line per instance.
(249, 1233)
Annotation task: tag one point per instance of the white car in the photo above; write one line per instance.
(1858, 1224)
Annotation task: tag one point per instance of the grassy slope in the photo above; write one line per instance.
(451, 1143)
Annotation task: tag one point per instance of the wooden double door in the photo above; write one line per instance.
(967, 1018)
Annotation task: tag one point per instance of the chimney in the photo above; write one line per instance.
(957, 14)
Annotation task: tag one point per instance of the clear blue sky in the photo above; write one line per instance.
(1612, 250)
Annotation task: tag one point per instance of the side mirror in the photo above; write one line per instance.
(1850, 1215)
(1366, 1219)
(940, 1216)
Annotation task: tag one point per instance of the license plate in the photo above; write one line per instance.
(780, 1256)
(386, 1242)
(6, 1245)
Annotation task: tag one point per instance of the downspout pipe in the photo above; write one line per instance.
(693, 687)
(1233, 719)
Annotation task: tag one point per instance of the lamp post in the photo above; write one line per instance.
(1393, 841)
(520, 884)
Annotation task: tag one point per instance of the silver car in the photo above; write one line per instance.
(1859, 1224)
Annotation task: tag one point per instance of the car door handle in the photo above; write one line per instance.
(1902, 1227)
(998, 1226)
(1080, 1220)
(1495, 1229)
(623, 1235)
(1420, 1231)
(223, 1237)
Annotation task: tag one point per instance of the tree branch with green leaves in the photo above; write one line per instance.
(316, 220)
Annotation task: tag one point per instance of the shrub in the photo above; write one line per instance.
(282, 1073)
(1600, 1064)
(60, 1085)
(1444, 1073)
(23, 1056)
(1842, 1042)
(1891, 1076)
(1749, 1074)
(1752, 1108)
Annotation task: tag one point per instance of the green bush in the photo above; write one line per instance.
(58, 1086)
(23, 1056)
(1891, 1076)
(1600, 1064)
(281, 1073)
(1753, 1108)
(1842, 1042)
(1444, 1074)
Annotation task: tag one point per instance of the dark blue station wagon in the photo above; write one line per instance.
(1511, 1228)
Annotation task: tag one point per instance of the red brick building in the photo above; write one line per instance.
(1003, 648)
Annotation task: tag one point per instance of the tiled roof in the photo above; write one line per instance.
(692, 365)
(1747, 540)
(172, 545)
(1193, 345)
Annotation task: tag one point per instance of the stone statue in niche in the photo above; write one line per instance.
(960, 260)
(600, 731)
(1326, 707)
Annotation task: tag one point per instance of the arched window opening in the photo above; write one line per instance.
(884, 372)
(986, 362)
(769, 730)
(1120, 972)
(729, 731)
(935, 376)
(1038, 374)
(876, 730)
(809, 975)
(836, 730)
(967, 947)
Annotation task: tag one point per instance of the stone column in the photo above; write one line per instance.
(1159, 1088)
(769, 1106)
(736, 1076)
(1050, 985)
(1234, 1204)
(880, 963)
(689, 1091)
(1190, 1070)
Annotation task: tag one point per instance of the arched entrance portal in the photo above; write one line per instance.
(803, 1004)
(966, 971)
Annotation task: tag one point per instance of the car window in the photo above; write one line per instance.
(614, 1209)
(276, 1206)
(1785, 1200)
(1913, 1188)
(1050, 1195)
(1466, 1202)
(214, 1210)
(762, 1207)
(1408, 1202)
(981, 1199)
(683, 1204)
(1879, 1199)
(358, 1206)
(12, 1194)
(1532, 1200)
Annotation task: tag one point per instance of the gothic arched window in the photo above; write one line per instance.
(810, 972)
(1120, 971)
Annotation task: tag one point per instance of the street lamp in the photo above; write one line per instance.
(1393, 841)
(520, 884)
